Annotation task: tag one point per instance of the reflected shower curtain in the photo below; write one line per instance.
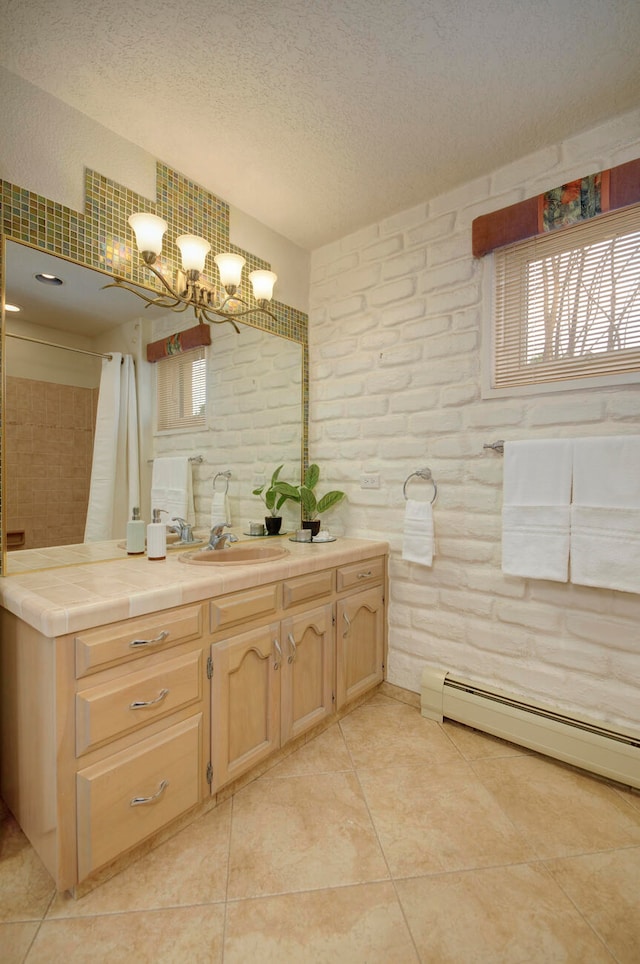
(115, 472)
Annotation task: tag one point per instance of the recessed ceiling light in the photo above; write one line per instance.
(48, 279)
(12, 308)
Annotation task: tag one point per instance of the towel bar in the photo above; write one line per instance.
(423, 474)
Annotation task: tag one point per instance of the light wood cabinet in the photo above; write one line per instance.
(111, 734)
(268, 686)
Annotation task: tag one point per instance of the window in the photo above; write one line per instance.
(181, 391)
(567, 304)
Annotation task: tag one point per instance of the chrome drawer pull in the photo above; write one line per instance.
(294, 648)
(140, 801)
(365, 575)
(149, 642)
(139, 704)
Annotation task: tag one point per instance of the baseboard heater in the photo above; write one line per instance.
(589, 745)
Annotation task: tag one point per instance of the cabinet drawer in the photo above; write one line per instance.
(361, 573)
(98, 648)
(243, 606)
(127, 704)
(306, 587)
(129, 796)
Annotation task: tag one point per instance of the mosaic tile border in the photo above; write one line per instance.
(101, 238)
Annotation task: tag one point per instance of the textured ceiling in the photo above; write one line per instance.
(318, 117)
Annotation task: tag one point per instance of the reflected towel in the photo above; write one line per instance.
(172, 488)
(536, 509)
(418, 534)
(605, 516)
(220, 509)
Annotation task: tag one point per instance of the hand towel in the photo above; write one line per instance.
(220, 509)
(172, 488)
(418, 535)
(605, 515)
(536, 509)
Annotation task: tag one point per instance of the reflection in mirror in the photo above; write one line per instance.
(254, 408)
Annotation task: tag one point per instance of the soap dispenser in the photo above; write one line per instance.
(156, 537)
(135, 534)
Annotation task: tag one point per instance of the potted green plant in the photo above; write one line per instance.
(273, 499)
(310, 504)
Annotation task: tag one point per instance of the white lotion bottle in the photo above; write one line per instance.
(156, 537)
(136, 532)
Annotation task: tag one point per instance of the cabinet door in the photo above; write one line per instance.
(307, 674)
(245, 712)
(360, 649)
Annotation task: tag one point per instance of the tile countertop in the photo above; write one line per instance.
(73, 598)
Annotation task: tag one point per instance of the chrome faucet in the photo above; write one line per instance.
(183, 530)
(218, 538)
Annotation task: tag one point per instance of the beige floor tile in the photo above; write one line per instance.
(301, 833)
(326, 753)
(26, 889)
(190, 868)
(474, 745)
(562, 811)
(439, 818)
(176, 936)
(15, 940)
(350, 924)
(508, 914)
(630, 794)
(394, 735)
(605, 888)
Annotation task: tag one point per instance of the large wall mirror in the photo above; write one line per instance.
(53, 362)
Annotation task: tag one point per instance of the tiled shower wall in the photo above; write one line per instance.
(395, 345)
(49, 431)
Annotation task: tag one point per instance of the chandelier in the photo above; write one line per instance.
(190, 290)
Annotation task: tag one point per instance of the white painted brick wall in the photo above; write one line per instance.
(395, 333)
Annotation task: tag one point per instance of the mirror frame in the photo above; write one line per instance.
(102, 240)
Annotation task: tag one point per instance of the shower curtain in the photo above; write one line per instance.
(115, 472)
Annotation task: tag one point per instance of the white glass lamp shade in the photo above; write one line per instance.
(230, 267)
(148, 229)
(263, 282)
(193, 250)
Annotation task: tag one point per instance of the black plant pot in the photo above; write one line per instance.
(313, 524)
(273, 524)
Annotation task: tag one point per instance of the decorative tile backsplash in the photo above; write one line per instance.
(101, 238)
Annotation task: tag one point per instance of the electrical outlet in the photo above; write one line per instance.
(370, 480)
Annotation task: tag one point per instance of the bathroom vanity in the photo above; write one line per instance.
(135, 694)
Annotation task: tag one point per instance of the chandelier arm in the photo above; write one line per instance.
(159, 275)
(160, 302)
(249, 311)
(220, 320)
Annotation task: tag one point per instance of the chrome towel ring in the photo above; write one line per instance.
(222, 475)
(422, 474)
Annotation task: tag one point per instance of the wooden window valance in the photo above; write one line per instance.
(560, 207)
(181, 342)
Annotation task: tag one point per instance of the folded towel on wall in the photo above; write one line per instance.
(418, 534)
(605, 515)
(536, 509)
(172, 488)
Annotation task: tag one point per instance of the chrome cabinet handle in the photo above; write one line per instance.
(141, 801)
(365, 575)
(347, 621)
(294, 648)
(149, 642)
(139, 704)
(278, 658)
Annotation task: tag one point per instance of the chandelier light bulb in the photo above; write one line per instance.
(263, 282)
(193, 250)
(148, 229)
(230, 268)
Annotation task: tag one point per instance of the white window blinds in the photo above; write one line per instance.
(567, 304)
(181, 391)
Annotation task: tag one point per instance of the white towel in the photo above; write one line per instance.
(220, 509)
(418, 535)
(605, 516)
(172, 488)
(536, 509)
